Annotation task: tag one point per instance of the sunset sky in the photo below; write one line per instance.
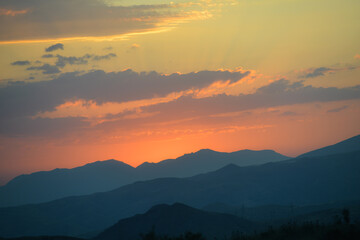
(146, 80)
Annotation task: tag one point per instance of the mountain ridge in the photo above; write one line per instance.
(106, 175)
(304, 181)
(347, 145)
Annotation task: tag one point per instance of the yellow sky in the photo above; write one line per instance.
(276, 69)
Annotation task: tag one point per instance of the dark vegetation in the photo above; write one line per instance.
(291, 231)
(339, 230)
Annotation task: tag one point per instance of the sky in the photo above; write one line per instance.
(148, 80)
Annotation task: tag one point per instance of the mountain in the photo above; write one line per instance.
(50, 185)
(206, 160)
(348, 145)
(301, 181)
(174, 220)
(107, 175)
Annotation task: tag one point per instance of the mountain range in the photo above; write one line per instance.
(303, 181)
(107, 175)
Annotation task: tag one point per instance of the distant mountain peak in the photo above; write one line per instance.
(109, 162)
(206, 150)
(164, 206)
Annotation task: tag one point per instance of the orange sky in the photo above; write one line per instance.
(139, 81)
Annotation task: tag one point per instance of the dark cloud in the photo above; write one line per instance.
(62, 61)
(18, 102)
(58, 46)
(102, 87)
(44, 19)
(107, 56)
(322, 71)
(40, 126)
(46, 69)
(20, 63)
(47, 56)
(279, 93)
(317, 72)
(339, 109)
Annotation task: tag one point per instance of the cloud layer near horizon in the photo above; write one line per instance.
(72, 101)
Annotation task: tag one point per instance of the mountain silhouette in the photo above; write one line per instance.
(107, 175)
(50, 185)
(174, 220)
(207, 160)
(348, 145)
(300, 181)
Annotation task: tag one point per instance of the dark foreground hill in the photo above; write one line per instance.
(107, 175)
(282, 214)
(175, 220)
(305, 181)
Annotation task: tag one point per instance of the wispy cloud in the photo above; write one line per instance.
(11, 12)
(58, 46)
(47, 56)
(20, 63)
(135, 46)
(339, 109)
(45, 69)
(322, 71)
(62, 61)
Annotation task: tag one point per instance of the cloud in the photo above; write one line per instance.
(58, 46)
(322, 71)
(339, 109)
(126, 99)
(102, 87)
(40, 127)
(279, 93)
(317, 72)
(12, 13)
(20, 63)
(47, 56)
(289, 113)
(103, 57)
(135, 46)
(62, 61)
(46, 69)
(66, 19)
